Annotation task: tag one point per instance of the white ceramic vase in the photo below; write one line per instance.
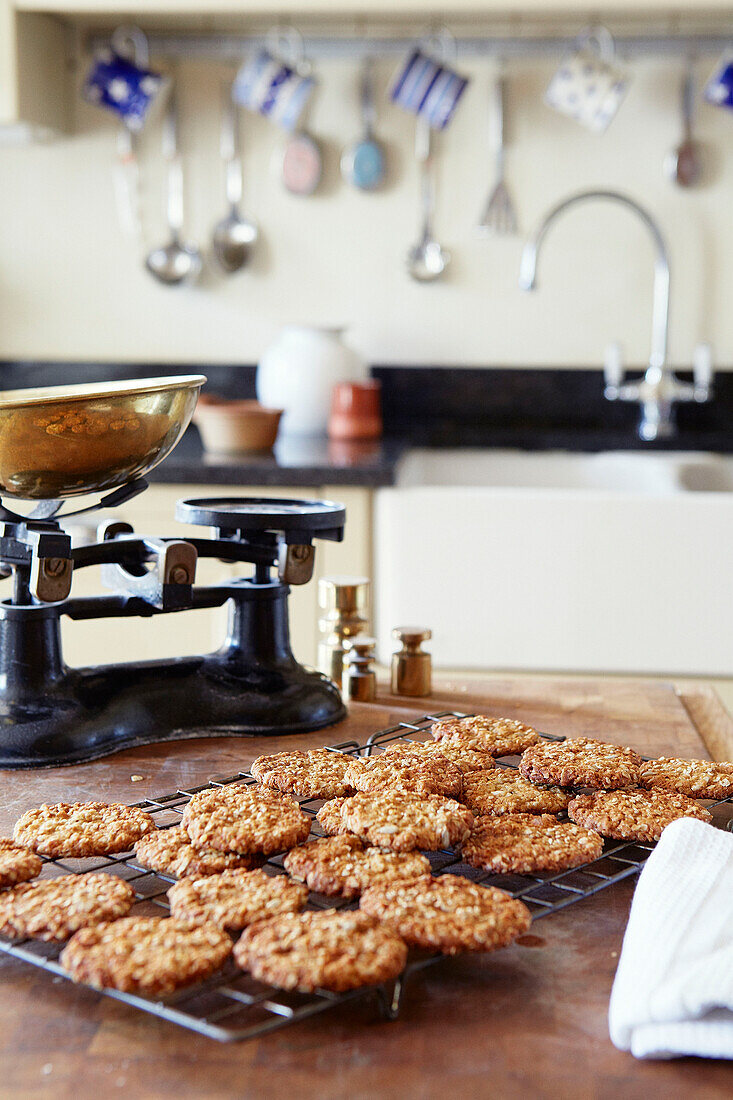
(298, 371)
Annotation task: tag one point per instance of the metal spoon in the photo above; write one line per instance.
(684, 165)
(426, 260)
(234, 235)
(176, 262)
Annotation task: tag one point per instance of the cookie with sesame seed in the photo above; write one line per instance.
(497, 736)
(336, 950)
(235, 898)
(581, 762)
(403, 821)
(505, 791)
(414, 772)
(467, 759)
(170, 852)
(17, 864)
(695, 778)
(55, 908)
(78, 829)
(317, 773)
(152, 956)
(244, 820)
(448, 913)
(633, 814)
(522, 843)
(341, 866)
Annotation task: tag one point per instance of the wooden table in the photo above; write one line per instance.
(530, 1020)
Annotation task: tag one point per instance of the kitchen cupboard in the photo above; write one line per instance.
(108, 640)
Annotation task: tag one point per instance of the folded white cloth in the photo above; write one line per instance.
(673, 991)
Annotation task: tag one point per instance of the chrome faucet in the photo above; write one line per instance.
(660, 388)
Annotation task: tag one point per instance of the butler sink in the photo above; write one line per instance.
(616, 562)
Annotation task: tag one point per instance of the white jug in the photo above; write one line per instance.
(298, 371)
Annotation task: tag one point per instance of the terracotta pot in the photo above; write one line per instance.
(234, 427)
(356, 410)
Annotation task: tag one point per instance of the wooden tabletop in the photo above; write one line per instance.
(530, 1020)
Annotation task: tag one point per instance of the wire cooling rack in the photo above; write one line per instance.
(233, 1006)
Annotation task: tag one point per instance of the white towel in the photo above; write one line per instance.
(673, 991)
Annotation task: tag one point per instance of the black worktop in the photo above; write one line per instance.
(531, 409)
(297, 460)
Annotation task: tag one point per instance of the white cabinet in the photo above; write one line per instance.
(107, 640)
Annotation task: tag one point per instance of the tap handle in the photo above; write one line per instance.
(613, 369)
(702, 369)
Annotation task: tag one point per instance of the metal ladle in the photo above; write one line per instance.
(234, 235)
(427, 260)
(176, 262)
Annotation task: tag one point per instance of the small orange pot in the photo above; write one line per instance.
(356, 410)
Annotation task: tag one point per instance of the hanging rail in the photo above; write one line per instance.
(231, 47)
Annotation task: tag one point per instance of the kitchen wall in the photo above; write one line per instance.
(73, 286)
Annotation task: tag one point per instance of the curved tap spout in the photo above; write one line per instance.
(660, 308)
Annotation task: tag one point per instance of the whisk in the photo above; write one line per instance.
(498, 214)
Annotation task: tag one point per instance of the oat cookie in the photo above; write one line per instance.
(341, 866)
(170, 852)
(505, 791)
(467, 759)
(149, 955)
(696, 778)
(498, 736)
(448, 913)
(235, 899)
(329, 817)
(76, 829)
(57, 907)
(581, 762)
(327, 950)
(522, 843)
(318, 773)
(17, 864)
(245, 820)
(403, 821)
(634, 814)
(414, 772)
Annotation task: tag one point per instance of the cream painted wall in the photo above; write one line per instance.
(72, 286)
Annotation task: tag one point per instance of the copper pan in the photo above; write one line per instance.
(64, 441)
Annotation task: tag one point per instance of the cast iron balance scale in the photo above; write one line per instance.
(67, 441)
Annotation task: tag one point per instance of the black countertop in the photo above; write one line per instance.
(295, 460)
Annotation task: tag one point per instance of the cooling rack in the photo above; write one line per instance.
(232, 1006)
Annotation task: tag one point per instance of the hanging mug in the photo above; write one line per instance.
(590, 84)
(427, 86)
(276, 82)
(120, 80)
(719, 88)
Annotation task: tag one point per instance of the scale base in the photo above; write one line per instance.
(94, 712)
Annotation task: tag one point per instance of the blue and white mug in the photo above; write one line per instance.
(273, 88)
(590, 85)
(719, 88)
(428, 88)
(120, 80)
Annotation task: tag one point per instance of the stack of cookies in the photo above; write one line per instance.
(381, 815)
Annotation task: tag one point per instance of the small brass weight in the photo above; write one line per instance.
(411, 666)
(360, 681)
(344, 601)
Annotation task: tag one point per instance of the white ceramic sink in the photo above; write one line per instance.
(617, 562)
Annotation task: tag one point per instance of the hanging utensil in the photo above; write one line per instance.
(498, 214)
(234, 235)
(426, 261)
(174, 263)
(684, 165)
(363, 164)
